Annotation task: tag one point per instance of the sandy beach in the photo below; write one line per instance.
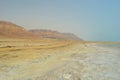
(57, 60)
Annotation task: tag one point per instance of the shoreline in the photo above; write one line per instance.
(78, 61)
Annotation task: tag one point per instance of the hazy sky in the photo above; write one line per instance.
(97, 20)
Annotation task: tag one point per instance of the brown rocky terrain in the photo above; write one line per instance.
(54, 34)
(11, 30)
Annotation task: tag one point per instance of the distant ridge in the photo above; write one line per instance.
(54, 34)
(11, 30)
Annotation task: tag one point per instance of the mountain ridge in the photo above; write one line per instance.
(54, 34)
(11, 30)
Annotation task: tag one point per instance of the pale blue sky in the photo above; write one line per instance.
(96, 20)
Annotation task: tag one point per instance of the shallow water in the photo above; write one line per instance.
(114, 46)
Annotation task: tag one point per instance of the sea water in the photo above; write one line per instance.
(112, 45)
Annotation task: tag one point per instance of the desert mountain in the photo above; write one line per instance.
(54, 34)
(11, 30)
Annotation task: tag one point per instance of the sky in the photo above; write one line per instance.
(93, 20)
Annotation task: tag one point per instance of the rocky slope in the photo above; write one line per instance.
(11, 30)
(54, 34)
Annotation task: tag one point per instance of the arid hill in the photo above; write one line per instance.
(54, 34)
(11, 30)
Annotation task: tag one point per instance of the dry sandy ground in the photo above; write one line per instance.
(22, 59)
